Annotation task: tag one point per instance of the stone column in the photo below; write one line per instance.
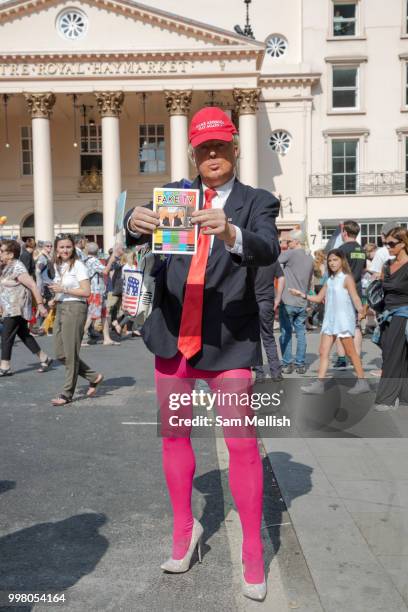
(178, 105)
(110, 106)
(40, 107)
(246, 101)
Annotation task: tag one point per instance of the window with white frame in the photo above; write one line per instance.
(152, 148)
(406, 18)
(344, 166)
(406, 84)
(328, 230)
(344, 19)
(91, 148)
(26, 151)
(406, 163)
(370, 231)
(345, 94)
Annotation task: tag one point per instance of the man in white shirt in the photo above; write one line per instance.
(382, 254)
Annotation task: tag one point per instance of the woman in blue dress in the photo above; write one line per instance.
(341, 303)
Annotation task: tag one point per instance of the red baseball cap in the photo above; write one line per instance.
(211, 123)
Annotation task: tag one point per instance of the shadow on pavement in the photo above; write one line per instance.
(119, 381)
(50, 557)
(7, 485)
(215, 510)
(297, 478)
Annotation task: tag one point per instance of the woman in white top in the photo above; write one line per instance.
(341, 303)
(71, 287)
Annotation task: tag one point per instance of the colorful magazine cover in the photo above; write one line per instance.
(175, 234)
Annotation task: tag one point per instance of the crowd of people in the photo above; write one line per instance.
(329, 291)
(298, 293)
(66, 290)
(207, 317)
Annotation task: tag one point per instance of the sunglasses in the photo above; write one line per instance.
(391, 244)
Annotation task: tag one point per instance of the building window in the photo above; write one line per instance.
(371, 231)
(152, 151)
(406, 164)
(26, 151)
(276, 46)
(91, 148)
(406, 84)
(345, 87)
(280, 142)
(344, 166)
(328, 231)
(344, 19)
(72, 24)
(406, 18)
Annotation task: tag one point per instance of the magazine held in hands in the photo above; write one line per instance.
(175, 234)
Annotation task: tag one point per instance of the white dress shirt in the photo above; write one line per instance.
(218, 201)
(223, 193)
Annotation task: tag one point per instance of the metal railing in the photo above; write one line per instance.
(355, 184)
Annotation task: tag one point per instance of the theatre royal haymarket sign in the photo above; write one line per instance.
(62, 69)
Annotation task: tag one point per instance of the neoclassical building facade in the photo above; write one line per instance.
(96, 96)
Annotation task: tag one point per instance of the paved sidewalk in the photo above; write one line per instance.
(84, 506)
(347, 499)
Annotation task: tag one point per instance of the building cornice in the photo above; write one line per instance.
(145, 55)
(346, 59)
(289, 80)
(401, 132)
(346, 132)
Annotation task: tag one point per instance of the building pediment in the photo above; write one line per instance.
(117, 40)
(30, 27)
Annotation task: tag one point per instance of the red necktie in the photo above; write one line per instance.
(190, 340)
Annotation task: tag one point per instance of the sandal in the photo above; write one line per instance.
(45, 365)
(61, 400)
(93, 385)
(7, 372)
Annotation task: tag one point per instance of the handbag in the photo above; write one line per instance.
(139, 285)
(375, 295)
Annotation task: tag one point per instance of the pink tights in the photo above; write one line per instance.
(245, 467)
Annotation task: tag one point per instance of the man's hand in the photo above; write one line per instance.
(214, 222)
(276, 304)
(143, 220)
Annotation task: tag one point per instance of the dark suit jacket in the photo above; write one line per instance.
(230, 312)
